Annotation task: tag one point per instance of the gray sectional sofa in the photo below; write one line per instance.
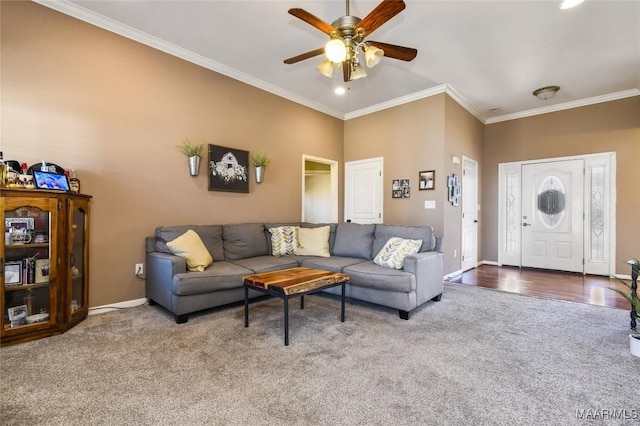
(244, 249)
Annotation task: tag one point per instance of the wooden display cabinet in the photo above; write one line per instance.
(44, 263)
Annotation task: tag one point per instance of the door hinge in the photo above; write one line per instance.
(379, 215)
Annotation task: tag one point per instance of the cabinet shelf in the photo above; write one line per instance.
(18, 287)
(26, 246)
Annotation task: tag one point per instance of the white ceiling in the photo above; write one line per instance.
(485, 54)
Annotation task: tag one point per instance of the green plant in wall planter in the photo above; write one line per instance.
(630, 293)
(260, 161)
(193, 151)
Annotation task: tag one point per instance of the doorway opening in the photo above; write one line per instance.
(319, 190)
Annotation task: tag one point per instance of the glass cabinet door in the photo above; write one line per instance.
(29, 258)
(78, 259)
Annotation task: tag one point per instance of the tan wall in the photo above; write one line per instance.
(422, 135)
(113, 109)
(410, 138)
(606, 127)
(463, 136)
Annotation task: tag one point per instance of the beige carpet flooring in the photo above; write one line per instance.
(478, 357)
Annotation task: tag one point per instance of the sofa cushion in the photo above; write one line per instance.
(354, 240)
(262, 264)
(284, 240)
(221, 275)
(370, 275)
(424, 233)
(211, 236)
(313, 241)
(393, 253)
(190, 246)
(244, 240)
(333, 263)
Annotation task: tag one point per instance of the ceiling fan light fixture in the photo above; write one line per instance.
(325, 68)
(358, 72)
(545, 93)
(336, 50)
(373, 56)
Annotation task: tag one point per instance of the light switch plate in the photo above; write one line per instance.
(430, 204)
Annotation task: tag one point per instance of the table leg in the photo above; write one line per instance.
(342, 309)
(302, 302)
(286, 321)
(246, 306)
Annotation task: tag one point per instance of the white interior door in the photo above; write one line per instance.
(469, 246)
(363, 191)
(552, 215)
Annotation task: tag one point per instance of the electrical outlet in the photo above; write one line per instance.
(139, 268)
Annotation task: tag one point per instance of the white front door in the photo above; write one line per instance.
(469, 247)
(552, 215)
(363, 191)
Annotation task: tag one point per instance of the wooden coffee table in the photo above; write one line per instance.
(289, 283)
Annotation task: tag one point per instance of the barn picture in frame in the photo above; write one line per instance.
(228, 169)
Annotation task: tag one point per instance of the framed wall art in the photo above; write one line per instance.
(228, 169)
(400, 188)
(427, 180)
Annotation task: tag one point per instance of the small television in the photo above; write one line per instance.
(49, 180)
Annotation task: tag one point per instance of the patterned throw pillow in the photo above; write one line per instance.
(284, 240)
(395, 250)
(190, 246)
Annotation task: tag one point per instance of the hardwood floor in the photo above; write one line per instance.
(591, 289)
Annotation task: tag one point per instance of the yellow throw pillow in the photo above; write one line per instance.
(190, 246)
(313, 241)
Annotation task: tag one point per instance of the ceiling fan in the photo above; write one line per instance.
(347, 38)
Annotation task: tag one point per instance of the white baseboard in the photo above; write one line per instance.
(488, 262)
(115, 306)
(623, 276)
(452, 275)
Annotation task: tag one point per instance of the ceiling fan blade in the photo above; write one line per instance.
(346, 71)
(304, 56)
(396, 52)
(381, 14)
(312, 20)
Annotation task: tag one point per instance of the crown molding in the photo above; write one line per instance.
(436, 90)
(567, 105)
(113, 26)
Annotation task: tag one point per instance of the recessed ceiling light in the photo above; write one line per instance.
(339, 90)
(568, 4)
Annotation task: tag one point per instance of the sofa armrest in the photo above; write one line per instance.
(161, 268)
(428, 268)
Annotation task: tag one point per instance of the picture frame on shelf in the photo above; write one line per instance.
(13, 273)
(427, 180)
(17, 315)
(42, 271)
(228, 169)
(18, 223)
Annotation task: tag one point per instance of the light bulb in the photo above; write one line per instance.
(336, 51)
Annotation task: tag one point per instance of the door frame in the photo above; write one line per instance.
(333, 170)
(474, 164)
(597, 262)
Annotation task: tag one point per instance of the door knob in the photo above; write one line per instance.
(526, 224)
